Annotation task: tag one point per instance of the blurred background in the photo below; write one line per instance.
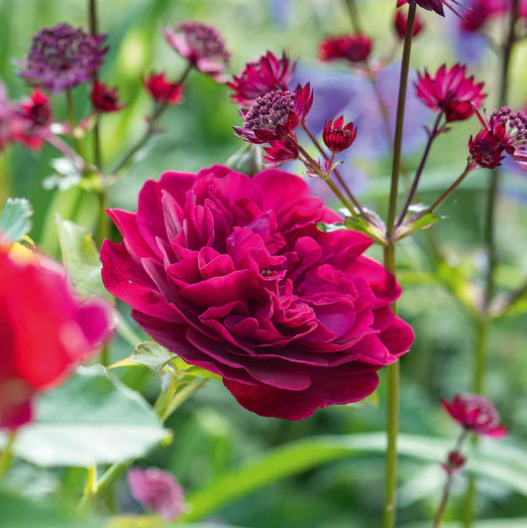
(212, 434)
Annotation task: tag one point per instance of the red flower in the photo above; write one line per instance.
(275, 115)
(504, 132)
(44, 333)
(450, 91)
(162, 91)
(37, 109)
(353, 48)
(476, 414)
(455, 462)
(232, 274)
(105, 99)
(400, 23)
(281, 151)
(432, 5)
(337, 137)
(261, 76)
(202, 46)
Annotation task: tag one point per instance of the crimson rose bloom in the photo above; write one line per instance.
(233, 275)
(44, 331)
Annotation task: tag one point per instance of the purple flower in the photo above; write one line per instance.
(157, 490)
(62, 57)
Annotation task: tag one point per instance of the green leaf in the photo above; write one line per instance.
(91, 419)
(151, 355)
(422, 222)
(362, 226)
(489, 523)
(81, 259)
(145, 521)
(15, 220)
(192, 370)
(508, 466)
(18, 512)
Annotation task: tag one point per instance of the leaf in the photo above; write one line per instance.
(18, 512)
(15, 220)
(151, 355)
(508, 466)
(145, 521)
(489, 523)
(362, 226)
(81, 259)
(192, 370)
(91, 419)
(423, 222)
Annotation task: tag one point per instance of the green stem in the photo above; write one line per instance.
(354, 15)
(73, 123)
(7, 454)
(94, 30)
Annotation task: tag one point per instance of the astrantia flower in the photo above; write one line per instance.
(36, 109)
(353, 48)
(162, 91)
(275, 115)
(432, 5)
(105, 99)
(45, 332)
(281, 151)
(261, 76)
(476, 414)
(401, 19)
(455, 462)
(233, 274)
(338, 137)
(450, 91)
(202, 45)
(62, 57)
(158, 491)
(504, 132)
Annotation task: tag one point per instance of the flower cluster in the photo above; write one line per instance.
(438, 6)
(162, 91)
(352, 48)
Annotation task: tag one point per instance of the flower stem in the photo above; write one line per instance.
(354, 15)
(7, 454)
(73, 123)
(94, 30)
(431, 136)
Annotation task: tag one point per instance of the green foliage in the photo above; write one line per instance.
(15, 220)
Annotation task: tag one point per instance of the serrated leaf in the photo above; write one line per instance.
(362, 226)
(15, 220)
(423, 222)
(91, 419)
(192, 370)
(151, 355)
(81, 259)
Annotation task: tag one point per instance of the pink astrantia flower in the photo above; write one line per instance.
(162, 91)
(353, 48)
(202, 45)
(400, 23)
(45, 332)
(337, 136)
(275, 115)
(62, 57)
(281, 151)
(158, 491)
(233, 275)
(450, 91)
(261, 76)
(504, 132)
(105, 99)
(476, 414)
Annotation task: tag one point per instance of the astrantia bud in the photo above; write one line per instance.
(105, 99)
(401, 19)
(485, 150)
(353, 48)
(36, 109)
(338, 137)
(455, 462)
(281, 151)
(162, 91)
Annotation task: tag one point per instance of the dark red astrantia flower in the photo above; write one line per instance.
(36, 109)
(400, 23)
(202, 45)
(105, 99)
(450, 91)
(353, 48)
(261, 76)
(338, 137)
(233, 275)
(476, 414)
(275, 115)
(162, 91)
(281, 151)
(44, 331)
(432, 5)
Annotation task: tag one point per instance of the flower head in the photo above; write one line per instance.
(202, 45)
(455, 462)
(338, 137)
(45, 333)
(353, 48)
(105, 99)
(281, 151)
(476, 414)
(162, 91)
(504, 132)
(450, 91)
(261, 76)
(62, 57)
(233, 274)
(36, 109)
(275, 115)
(401, 20)
(432, 5)
(157, 490)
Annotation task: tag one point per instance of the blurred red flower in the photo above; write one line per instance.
(353, 48)
(105, 99)
(162, 91)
